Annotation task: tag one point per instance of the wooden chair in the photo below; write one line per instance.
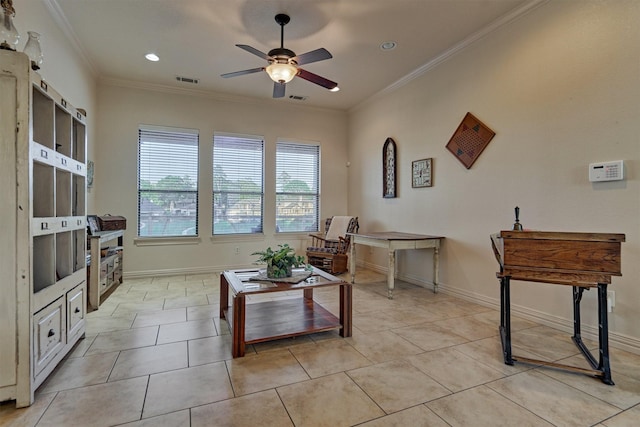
(328, 251)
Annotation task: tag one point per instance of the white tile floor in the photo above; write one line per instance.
(157, 354)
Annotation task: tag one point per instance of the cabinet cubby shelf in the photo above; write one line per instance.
(44, 295)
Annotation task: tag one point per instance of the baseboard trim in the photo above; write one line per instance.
(142, 274)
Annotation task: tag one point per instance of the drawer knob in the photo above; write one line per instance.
(51, 333)
(77, 310)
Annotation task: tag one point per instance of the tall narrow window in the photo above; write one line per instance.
(238, 184)
(297, 187)
(167, 182)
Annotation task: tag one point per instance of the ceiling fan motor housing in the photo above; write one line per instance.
(282, 55)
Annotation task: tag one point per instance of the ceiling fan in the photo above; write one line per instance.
(284, 63)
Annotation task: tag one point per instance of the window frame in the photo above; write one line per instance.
(258, 143)
(182, 136)
(309, 146)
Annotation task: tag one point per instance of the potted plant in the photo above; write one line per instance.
(280, 262)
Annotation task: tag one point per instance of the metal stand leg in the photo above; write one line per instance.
(600, 369)
(603, 334)
(577, 338)
(505, 319)
(577, 298)
(602, 365)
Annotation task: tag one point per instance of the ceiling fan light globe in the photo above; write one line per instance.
(281, 73)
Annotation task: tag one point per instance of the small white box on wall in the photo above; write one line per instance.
(606, 171)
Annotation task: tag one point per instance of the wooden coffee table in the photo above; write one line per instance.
(271, 320)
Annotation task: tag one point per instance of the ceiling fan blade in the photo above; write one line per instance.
(313, 56)
(255, 51)
(278, 90)
(314, 78)
(242, 73)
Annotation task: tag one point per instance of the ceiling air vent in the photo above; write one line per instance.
(187, 80)
(298, 97)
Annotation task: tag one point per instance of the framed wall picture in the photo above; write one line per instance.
(92, 224)
(421, 173)
(469, 140)
(90, 170)
(389, 169)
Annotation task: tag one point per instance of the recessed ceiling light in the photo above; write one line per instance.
(152, 57)
(388, 45)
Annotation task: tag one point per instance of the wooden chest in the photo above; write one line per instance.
(112, 222)
(583, 259)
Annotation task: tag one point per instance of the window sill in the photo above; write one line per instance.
(254, 237)
(233, 238)
(166, 241)
(288, 235)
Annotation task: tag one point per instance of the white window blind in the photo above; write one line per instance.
(297, 187)
(167, 182)
(238, 184)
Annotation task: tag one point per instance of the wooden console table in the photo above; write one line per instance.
(271, 320)
(104, 273)
(393, 241)
(580, 260)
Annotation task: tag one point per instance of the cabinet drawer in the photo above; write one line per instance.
(75, 310)
(49, 333)
(106, 267)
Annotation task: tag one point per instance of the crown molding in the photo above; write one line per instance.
(61, 20)
(204, 93)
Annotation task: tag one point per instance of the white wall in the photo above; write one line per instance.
(123, 109)
(560, 87)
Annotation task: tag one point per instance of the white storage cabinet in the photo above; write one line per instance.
(43, 216)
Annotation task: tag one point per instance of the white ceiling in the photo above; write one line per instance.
(196, 39)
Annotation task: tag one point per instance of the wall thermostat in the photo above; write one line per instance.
(606, 171)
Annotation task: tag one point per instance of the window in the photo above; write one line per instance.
(167, 182)
(297, 187)
(238, 184)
